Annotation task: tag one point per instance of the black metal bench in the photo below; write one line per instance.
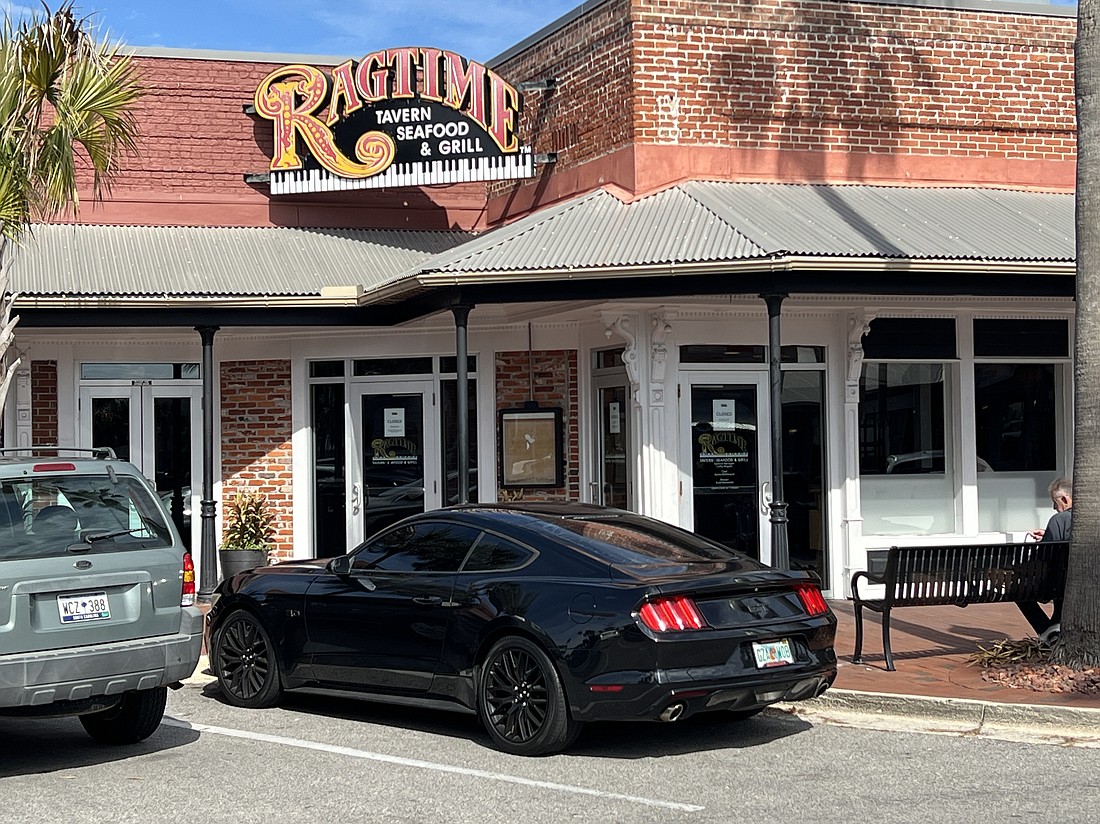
(918, 576)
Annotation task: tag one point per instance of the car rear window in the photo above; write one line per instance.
(623, 540)
(43, 516)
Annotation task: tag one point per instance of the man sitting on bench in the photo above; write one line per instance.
(1057, 529)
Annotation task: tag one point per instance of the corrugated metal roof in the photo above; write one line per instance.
(133, 261)
(700, 222)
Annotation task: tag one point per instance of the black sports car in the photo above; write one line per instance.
(537, 617)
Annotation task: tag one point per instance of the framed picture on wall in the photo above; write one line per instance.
(530, 443)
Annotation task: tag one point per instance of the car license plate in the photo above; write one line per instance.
(87, 606)
(773, 654)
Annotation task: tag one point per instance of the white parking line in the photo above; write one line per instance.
(426, 765)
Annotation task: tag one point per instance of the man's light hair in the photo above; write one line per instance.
(1061, 487)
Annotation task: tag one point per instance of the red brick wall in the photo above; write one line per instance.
(796, 90)
(256, 433)
(854, 77)
(43, 403)
(553, 374)
(196, 144)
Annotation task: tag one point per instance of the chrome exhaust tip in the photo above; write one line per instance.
(672, 712)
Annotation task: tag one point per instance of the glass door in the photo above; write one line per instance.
(613, 486)
(725, 426)
(395, 456)
(153, 427)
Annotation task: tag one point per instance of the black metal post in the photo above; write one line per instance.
(781, 557)
(208, 559)
(462, 401)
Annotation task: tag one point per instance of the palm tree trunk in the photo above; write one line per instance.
(1079, 643)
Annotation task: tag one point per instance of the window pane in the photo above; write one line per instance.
(1016, 418)
(493, 552)
(901, 419)
(723, 354)
(1021, 338)
(140, 371)
(433, 547)
(329, 490)
(449, 421)
(326, 369)
(910, 338)
(1016, 426)
(906, 484)
(392, 366)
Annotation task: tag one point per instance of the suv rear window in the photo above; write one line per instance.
(42, 516)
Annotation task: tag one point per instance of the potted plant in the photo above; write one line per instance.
(249, 534)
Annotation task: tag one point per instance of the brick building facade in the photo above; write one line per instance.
(622, 284)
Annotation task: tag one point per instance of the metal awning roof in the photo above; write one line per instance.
(693, 238)
(184, 262)
(699, 223)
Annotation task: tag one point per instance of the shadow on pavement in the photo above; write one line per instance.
(42, 745)
(625, 739)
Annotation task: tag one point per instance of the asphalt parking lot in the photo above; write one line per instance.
(316, 759)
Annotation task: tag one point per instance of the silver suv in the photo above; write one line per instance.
(97, 593)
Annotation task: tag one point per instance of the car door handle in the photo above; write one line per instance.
(428, 600)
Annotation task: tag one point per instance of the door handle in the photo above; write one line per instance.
(356, 499)
(765, 498)
(428, 600)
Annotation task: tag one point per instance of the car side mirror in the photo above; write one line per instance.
(340, 565)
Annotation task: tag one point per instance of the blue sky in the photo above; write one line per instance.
(477, 29)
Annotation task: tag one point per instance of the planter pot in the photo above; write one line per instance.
(233, 561)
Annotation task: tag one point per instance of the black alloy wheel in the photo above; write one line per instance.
(521, 701)
(246, 665)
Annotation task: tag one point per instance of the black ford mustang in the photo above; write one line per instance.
(537, 617)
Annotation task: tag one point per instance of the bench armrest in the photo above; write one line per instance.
(871, 578)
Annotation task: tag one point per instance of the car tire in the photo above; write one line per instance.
(521, 701)
(246, 663)
(131, 720)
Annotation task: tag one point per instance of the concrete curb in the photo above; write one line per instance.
(1066, 725)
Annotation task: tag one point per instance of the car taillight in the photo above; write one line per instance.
(188, 599)
(667, 614)
(812, 599)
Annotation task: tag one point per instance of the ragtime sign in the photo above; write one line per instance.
(399, 117)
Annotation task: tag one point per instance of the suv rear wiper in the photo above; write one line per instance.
(104, 536)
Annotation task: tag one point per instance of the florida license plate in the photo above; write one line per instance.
(772, 654)
(87, 606)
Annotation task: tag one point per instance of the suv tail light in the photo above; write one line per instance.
(188, 599)
(669, 614)
(812, 599)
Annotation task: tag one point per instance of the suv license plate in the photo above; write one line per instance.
(87, 606)
(773, 654)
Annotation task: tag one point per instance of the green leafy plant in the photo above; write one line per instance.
(249, 523)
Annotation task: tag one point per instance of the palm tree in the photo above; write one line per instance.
(66, 103)
(1079, 643)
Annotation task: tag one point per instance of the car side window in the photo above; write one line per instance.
(493, 552)
(419, 547)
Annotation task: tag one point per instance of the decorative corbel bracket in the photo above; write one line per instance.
(619, 324)
(858, 326)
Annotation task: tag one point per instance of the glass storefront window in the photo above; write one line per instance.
(804, 468)
(1016, 426)
(906, 481)
(140, 371)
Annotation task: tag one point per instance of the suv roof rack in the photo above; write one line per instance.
(102, 452)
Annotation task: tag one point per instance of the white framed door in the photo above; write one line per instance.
(393, 455)
(724, 424)
(156, 427)
(613, 483)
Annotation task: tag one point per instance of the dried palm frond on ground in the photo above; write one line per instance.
(1025, 664)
